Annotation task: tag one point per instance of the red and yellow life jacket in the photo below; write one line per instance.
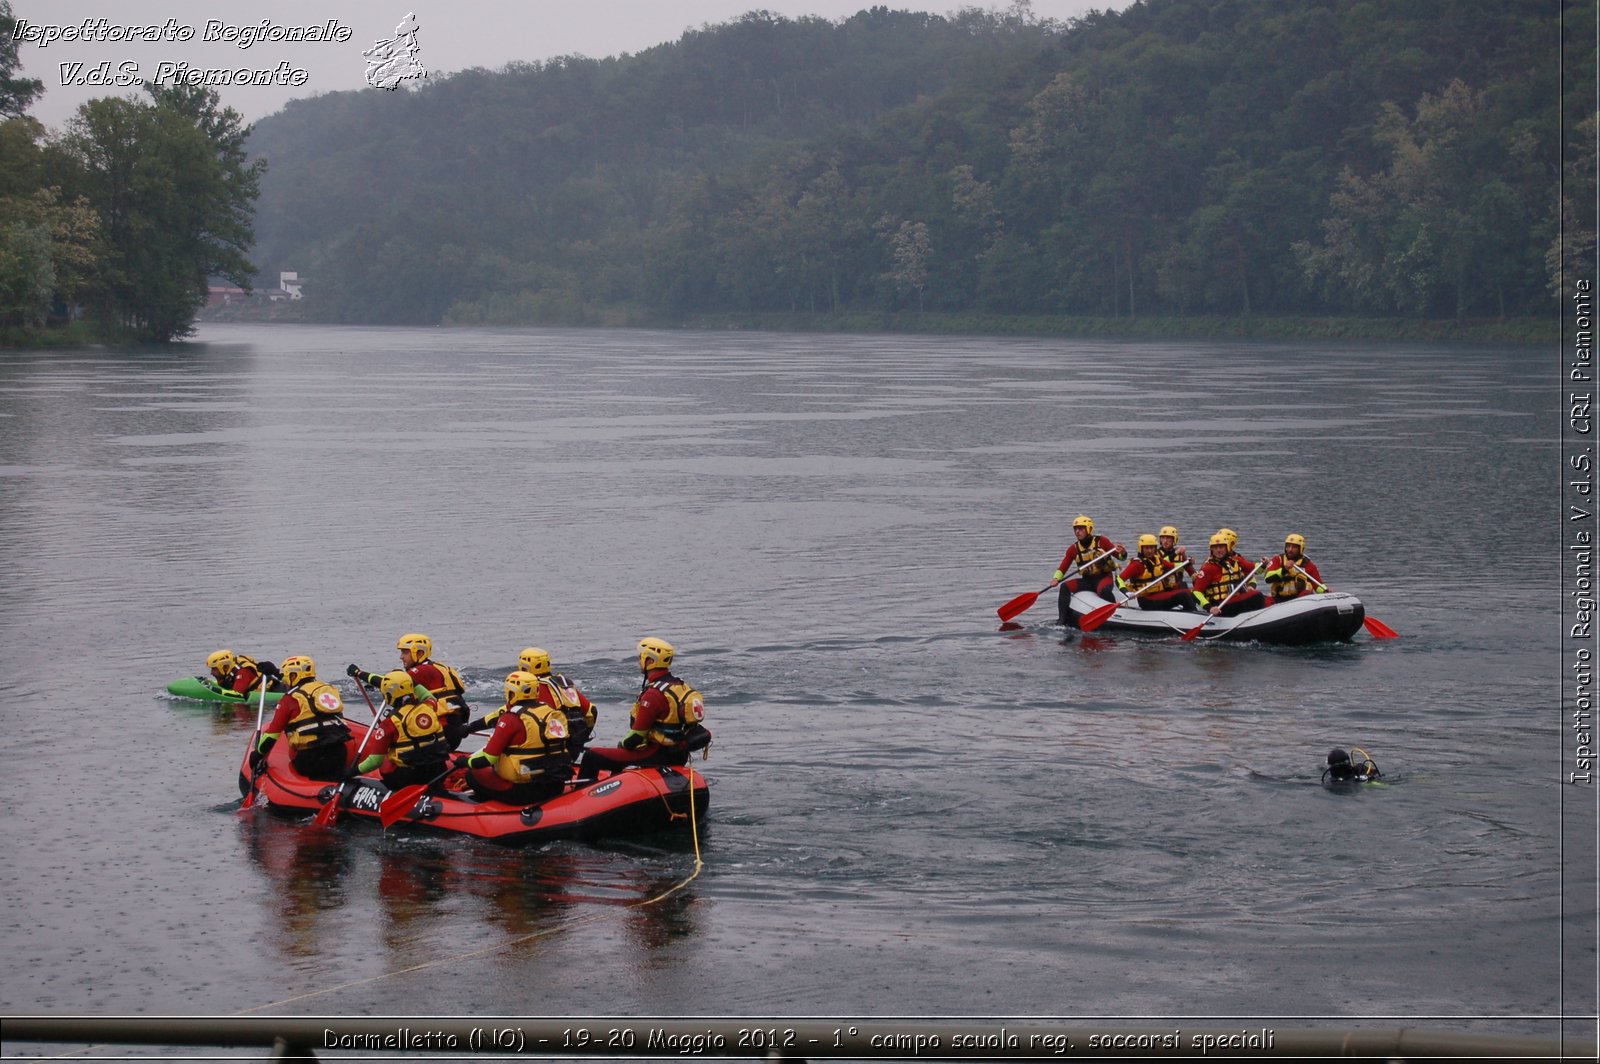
(544, 744)
(686, 707)
(1094, 558)
(1286, 583)
(1233, 574)
(1153, 568)
(319, 716)
(561, 693)
(443, 682)
(419, 734)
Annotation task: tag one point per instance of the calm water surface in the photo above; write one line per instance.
(913, 814)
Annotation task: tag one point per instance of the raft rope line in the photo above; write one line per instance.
(694, 827)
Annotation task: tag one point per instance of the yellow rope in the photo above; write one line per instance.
(694, 828)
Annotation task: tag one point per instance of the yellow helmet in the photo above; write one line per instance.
(1084, 522)
(297, 668)
(521, 687)
(421, 646)
(222, 660)
(1220, 540)
(397, 686)
(1230, 535)
(1147, 540)
(1295, 539)
(535, 660)
(655, 654)
(1169, 530)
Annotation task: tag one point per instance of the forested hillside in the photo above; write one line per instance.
(1237, 157)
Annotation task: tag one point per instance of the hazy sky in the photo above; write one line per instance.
(451, 36)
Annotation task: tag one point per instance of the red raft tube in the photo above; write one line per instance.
(633, 801)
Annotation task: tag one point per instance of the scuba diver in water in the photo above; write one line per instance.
(1342, 768)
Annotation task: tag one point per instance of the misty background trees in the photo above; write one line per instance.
(1181, 157)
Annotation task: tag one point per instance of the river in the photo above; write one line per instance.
(913, 812)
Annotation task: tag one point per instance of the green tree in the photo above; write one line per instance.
(1442, 228)
(910, 248)
(50, 250)
(16, 93)
(173, 196)
(1571, 254)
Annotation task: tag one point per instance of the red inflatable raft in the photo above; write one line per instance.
(632, 801)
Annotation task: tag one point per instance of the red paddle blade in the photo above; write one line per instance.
(1380, 630)
(397, 805)
(1018, 606)
(1097, 616)
(249, 798)
(1196, 630)
(329, 813)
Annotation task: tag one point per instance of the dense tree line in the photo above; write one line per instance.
(127, 213)
(1230, 157)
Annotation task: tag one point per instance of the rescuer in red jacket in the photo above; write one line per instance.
(442, 682)
(241, 674)
(310, 716)
(1151, 569)
(1291, 573)
(1218, 578)
(1096, 558)
(665, 724)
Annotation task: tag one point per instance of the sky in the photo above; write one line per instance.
(448, 36)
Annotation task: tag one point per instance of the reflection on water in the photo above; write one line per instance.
(463, 898)
(308, 872)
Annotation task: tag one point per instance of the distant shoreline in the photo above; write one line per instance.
(1516, 332)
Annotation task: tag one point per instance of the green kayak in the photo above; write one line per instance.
(204, 690)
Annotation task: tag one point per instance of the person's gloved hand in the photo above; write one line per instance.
(1058, 576)
(258, 761)
(633, 740)
(479, 760)
(352, 670)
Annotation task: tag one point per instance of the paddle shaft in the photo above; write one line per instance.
(1240, 586)
(366, 698)
(1160, 579)
(1100, 614)
(1376, 628)
(330, 812)
(1315, 583)
(1023, 602)
(255, 737)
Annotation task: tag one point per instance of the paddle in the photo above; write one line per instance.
(1098, 616)
(397, 805)
(329, 813)
(1377, 628)
(261, 709)
(1023, 602)
(1240, 586)
(370, 707)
